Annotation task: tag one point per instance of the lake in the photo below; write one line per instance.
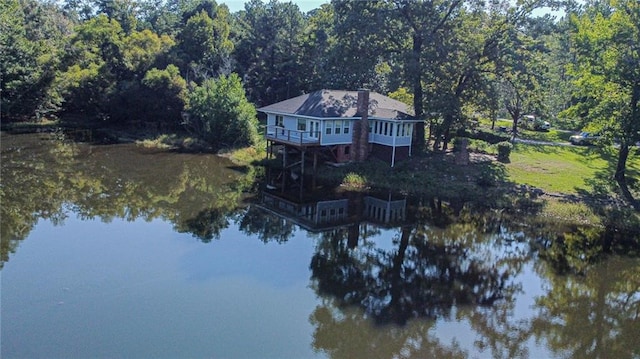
(126, 252)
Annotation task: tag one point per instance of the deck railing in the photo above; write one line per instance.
(296, 137)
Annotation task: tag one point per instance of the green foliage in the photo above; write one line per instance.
(608, 76)
(122, 11)
(142, 50)
(204, 44)
(354, 181)
(268, 52)
(504, 150)
(166, 95)
(219, 113)
(32, 36)
(93, 65)
(486, 135)
(402, 95)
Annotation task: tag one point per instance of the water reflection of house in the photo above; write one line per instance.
(319, 215)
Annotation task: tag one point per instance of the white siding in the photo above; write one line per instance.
(381, 131)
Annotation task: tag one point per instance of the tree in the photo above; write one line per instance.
(164, 94)
(219, 113)
(92, 66)
(141, 50)
(268, 52)
(204, 45)
(32, 36)
(606, 42)
(123, 11)
(428, 24)
(317, 43)
(396, 33)
(522, 75)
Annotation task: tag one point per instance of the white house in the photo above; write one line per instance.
(334, 120)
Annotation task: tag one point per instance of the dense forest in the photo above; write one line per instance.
(193, 65)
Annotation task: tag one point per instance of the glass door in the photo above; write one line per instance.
(314, 129)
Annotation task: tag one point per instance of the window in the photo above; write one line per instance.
(302, 125)
(329, 127)
(279, 121)
(338, 127)
(345, 129)
(347, 149)
(386, 128)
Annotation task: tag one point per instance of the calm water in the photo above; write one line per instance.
(117, 251)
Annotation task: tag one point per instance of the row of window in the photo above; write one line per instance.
(337, 127)
(386, 128)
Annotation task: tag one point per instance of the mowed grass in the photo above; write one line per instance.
(552, 135)
(565, 169)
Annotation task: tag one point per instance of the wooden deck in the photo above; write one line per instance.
(292, 137)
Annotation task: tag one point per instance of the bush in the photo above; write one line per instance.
(487, 136)
(504, 150)
(220, 114)
(354, 181)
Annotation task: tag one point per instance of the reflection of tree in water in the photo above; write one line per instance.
(596, 315)
(266, 226)
(33, 186)
(348, 333)
(207, 225)
(44, 176)
(425, 276)
(429, 274)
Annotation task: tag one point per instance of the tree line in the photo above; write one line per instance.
(167, 61)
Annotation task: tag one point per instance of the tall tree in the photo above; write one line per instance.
(269, 52)
(520, 79)
(427, 23)
(204, 44)
(92, 66)
(318, 40)
(606, 41)
(123, 11)
(32, 37)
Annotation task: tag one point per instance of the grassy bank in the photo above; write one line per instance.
(570, 183)
(571, 169)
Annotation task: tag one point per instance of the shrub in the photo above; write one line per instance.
(354, 181)
(220, 113)
(485, 135)
(504, 150)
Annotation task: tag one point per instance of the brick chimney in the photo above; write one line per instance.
(360, 134)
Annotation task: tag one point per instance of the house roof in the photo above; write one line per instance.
(340, 103)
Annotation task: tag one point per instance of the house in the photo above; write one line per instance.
(347, 125)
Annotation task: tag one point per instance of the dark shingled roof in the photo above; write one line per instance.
(340, 103)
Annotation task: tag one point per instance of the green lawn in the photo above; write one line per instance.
(553, 135)
(501, 122)
(567, 169)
